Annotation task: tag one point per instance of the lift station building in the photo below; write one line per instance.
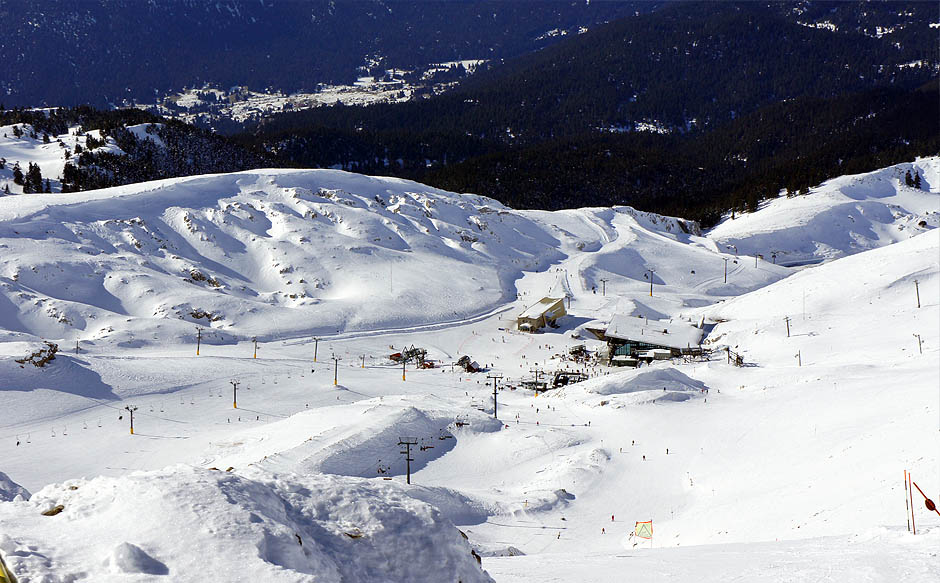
(542, 313)
(628, 335)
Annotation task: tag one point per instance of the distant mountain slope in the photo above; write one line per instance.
(685, 67)
(842, 216)
(106, 51)
(688, 110)
(792, 145)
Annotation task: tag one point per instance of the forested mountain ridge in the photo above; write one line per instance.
(690, 110)
(104, 52)
(81, 148)
(685, 67)
(785, 148)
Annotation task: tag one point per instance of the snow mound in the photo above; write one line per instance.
(358, 439)
(9, 489)
(252, 527)
(128, 558)
(842, 216)
(664, 380)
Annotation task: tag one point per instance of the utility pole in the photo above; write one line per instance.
(495, 378)
(604, 281)
(917, 290)
(755, 259)
(336, 360)
(316, 341)
(408, 442)
(77, 349)
(198, 339)
(403, 363)
(131, 410)
(363, 357)
(651, 281)
(234, 394)
(799, 358)
(255, 340)
(787, 320)
(536, 371)
(920, 347)
(726, 268)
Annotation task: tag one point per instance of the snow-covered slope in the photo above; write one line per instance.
(840, 217)
(779, 450)
(788, 468)
(836, 310)
(279, 253)
(50, 156)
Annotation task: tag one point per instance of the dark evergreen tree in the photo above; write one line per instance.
(917, 182)
(17, 174)
(33, 181)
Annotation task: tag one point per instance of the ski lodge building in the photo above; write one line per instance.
(542, 313)
(629, 335)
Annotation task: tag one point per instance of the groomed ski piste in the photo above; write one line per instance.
(787, 468)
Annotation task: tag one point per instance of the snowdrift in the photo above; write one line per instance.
(233, 527)
(842, 216)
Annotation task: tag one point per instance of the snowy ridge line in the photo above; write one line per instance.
(840, 217)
